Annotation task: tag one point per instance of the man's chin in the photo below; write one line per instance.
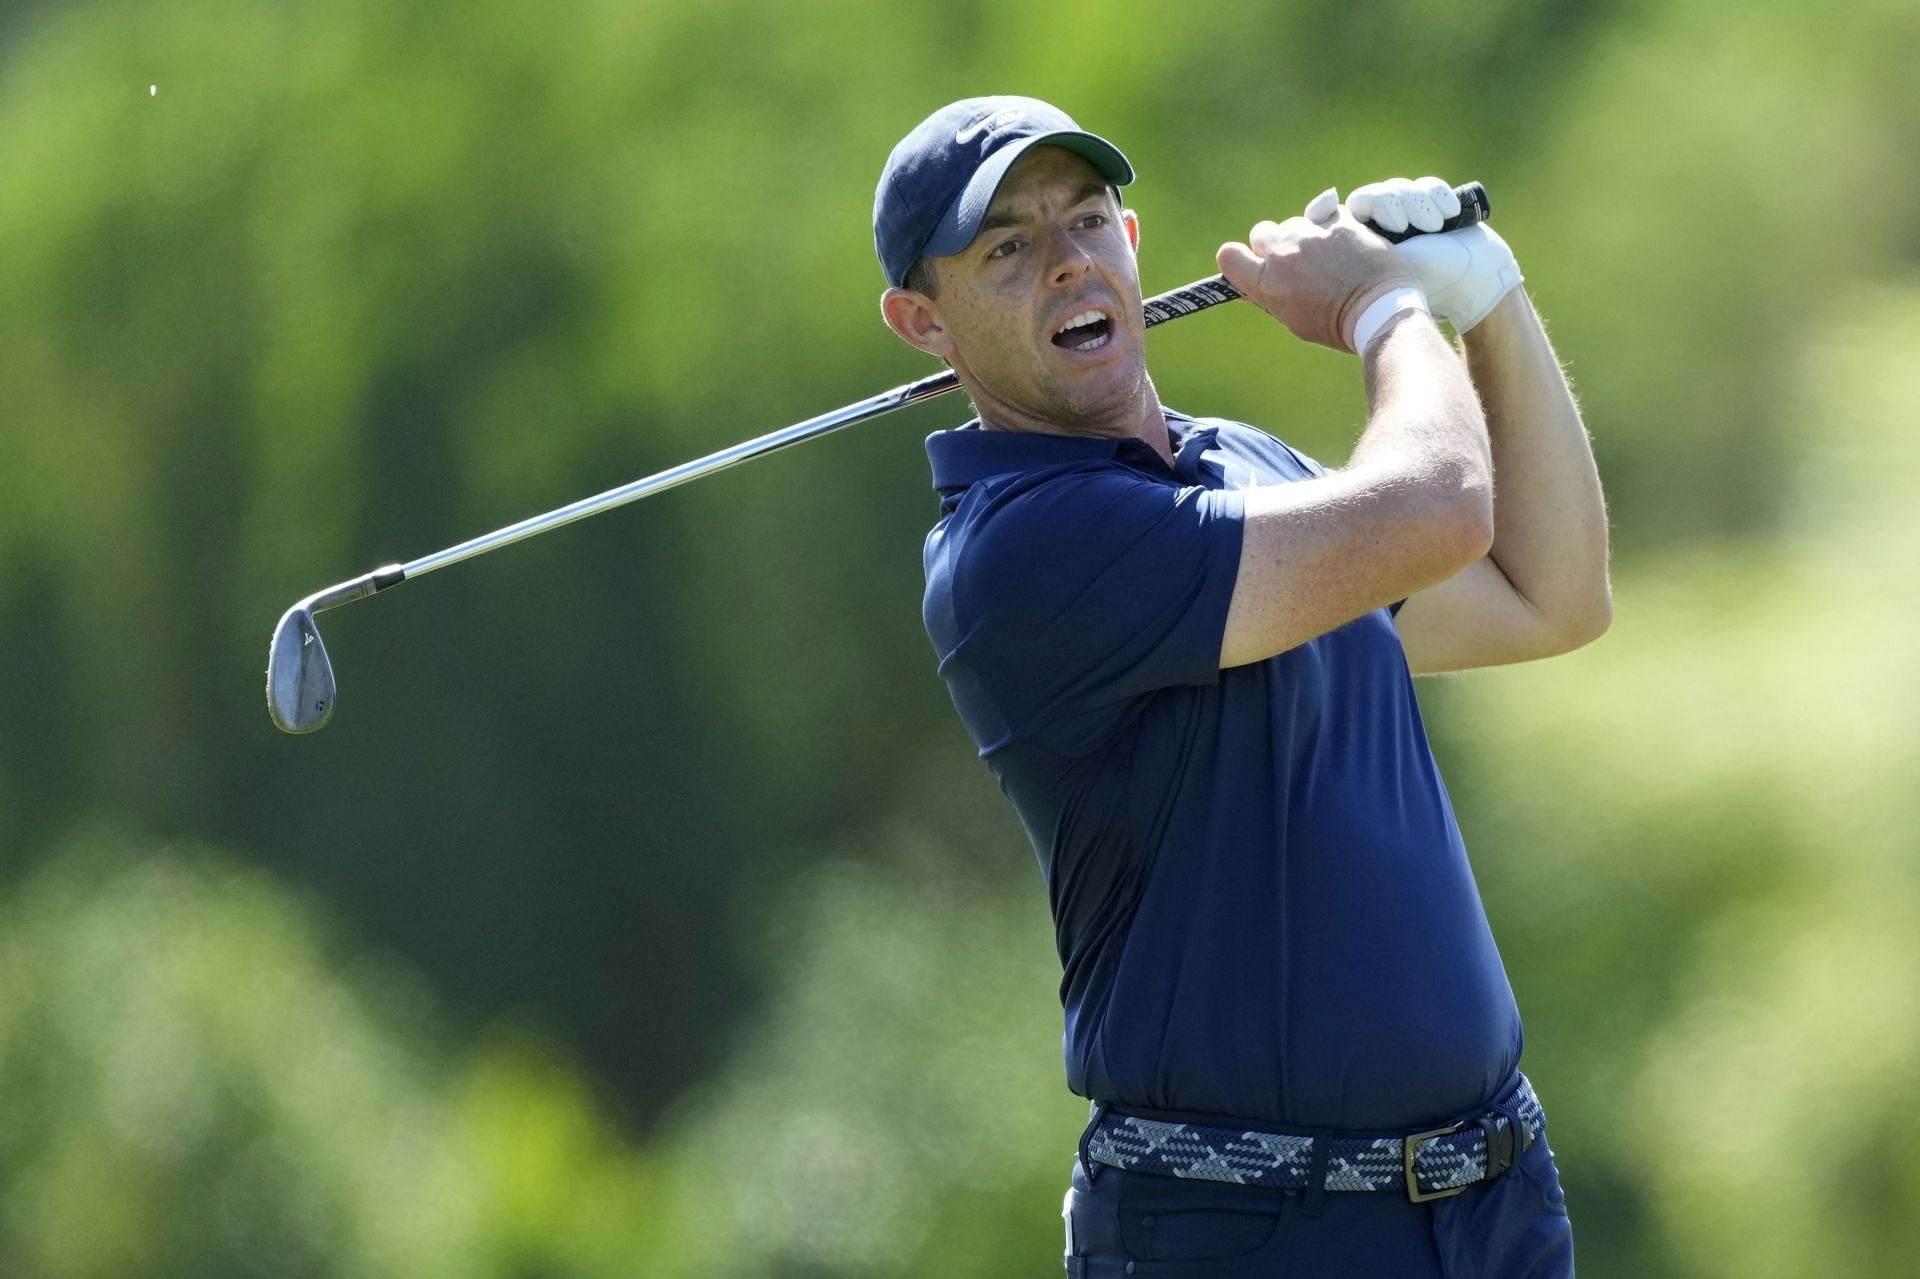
(1102, 399)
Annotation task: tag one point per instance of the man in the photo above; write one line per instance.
(1185, 652)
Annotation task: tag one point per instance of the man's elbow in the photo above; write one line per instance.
(1580, 627)
(1598, 618)
(1464, 523)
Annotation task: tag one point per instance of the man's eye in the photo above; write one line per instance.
(1004, 249)
(1094, 220)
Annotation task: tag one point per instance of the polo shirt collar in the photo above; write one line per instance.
(965, 455)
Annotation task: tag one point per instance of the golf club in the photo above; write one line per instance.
(300, 683)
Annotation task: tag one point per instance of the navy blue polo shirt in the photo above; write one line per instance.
(1262, 903)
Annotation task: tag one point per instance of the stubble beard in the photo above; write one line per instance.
(1065, 405)
(1086, 407)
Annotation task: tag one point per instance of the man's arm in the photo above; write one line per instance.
(1542, 587)
(1412, 508)
(1408, 511)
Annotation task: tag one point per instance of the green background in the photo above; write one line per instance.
(644, 910)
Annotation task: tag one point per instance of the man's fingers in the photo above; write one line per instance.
(1266, 239)
(1422, 204)
(1438, 191)
(1238, 263)
(1378, 203)
(1323, 208)
(1266, 236)
(1422, 213)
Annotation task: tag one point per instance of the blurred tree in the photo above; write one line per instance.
(194, 1080)
(899, 1110)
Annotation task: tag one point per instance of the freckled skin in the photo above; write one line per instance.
(1069, 248)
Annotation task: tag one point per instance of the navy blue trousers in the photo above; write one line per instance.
(1140, 1225)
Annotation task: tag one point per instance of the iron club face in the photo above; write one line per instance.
(300, 687)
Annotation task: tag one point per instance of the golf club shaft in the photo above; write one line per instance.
(1197, 296)
(873, 406)
(1172, 305)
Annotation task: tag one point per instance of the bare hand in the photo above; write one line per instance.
(1315, 279)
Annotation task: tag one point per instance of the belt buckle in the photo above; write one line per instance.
(1409, 1147)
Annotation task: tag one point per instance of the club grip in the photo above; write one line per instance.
(1201, 294)
(1473, 208)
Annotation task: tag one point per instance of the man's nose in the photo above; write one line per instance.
(1068, 259)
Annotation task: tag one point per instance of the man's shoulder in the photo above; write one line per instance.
(964, 456)
(1241, 439)
(1017, 511)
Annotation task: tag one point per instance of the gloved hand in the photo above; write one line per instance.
(1465, 273)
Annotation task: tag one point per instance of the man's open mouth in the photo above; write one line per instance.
(1087, 331)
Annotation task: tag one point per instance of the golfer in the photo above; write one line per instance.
(1185, 650)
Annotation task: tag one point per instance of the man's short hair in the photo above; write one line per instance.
(922, 278)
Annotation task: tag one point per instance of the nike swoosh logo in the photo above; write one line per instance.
(986, 124)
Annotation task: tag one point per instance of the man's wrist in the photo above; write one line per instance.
(1375, 318)
(1508, 316)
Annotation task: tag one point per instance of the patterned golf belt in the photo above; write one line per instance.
(1445, 1160)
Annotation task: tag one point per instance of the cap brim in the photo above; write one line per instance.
(961, 222)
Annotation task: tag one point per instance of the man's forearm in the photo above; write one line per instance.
(1424, 421)
(1549, 517)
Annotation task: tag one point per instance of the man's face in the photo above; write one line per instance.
(1054, 247)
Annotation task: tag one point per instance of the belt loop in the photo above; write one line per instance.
(1496, 1144)
(1519, 1136)
(1094, 1117)
(1316, 1201)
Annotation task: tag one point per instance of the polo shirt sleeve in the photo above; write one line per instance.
(1080, 592)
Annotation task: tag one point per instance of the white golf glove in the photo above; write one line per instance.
(1465, 273)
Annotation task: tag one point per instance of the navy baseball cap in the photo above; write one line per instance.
(941, 178)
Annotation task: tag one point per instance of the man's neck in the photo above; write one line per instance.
(1145, 421)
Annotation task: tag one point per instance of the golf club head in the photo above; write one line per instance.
(299, 678)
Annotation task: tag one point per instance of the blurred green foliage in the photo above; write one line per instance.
(644, 908)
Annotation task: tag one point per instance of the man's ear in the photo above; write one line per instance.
(1131, 221)
(916, 319)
